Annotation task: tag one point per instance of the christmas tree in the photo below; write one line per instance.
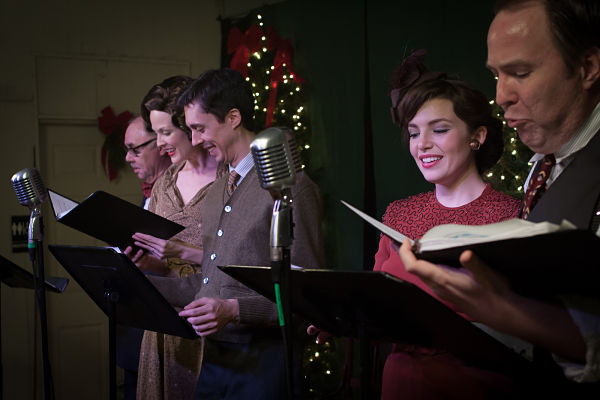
(509, 174)
(266, 60)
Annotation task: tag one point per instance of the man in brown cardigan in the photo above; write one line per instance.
(244, 351)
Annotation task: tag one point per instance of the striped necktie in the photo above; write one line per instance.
(232, 181)
(537, 185)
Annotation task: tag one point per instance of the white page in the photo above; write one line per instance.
(60, 204)
(454, 235)
(386, 230)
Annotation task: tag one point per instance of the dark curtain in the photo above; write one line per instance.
(347, 52)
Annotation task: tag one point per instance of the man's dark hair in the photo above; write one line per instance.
(218, 91)
(574, 24)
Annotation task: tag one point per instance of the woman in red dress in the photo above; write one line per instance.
(454, 139)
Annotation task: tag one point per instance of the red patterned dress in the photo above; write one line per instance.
(426, 373)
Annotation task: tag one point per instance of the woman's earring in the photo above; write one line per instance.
(474, 144)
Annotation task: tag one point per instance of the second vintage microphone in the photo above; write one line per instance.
(277, 163)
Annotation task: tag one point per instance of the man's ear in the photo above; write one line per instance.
(234, 118)
(590, 68)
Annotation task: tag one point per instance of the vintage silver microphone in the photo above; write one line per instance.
(31, 193)
(277, 163)
(277, 159)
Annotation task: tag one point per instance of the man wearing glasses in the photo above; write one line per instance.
(148, 164)
(143, 155)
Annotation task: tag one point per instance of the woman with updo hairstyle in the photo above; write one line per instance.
(453, 138)
(169, 365)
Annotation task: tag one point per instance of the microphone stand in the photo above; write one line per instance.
(281, 241)
(36, 253)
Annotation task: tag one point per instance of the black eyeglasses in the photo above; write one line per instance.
(137, 150)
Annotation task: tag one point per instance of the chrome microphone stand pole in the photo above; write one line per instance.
(281, 242)
(36, 254)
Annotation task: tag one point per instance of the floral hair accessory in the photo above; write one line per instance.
(411, 73)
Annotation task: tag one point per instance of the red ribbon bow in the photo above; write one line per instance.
(243, 45)
(113, 127)
(108, 122)
(284, 57)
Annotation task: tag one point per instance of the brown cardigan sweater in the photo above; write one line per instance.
(244, 220)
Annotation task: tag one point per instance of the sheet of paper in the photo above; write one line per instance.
(60, 204)
(454, 235)
(386, 230)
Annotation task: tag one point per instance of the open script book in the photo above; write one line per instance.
(110, 218)
(537, 258)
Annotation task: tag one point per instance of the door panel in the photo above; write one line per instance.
(71, 93)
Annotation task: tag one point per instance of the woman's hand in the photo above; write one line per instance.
(147, 262)
(172, 248)
(322, 336)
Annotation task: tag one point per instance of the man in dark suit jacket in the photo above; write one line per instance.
(545, 55)
(243, 351)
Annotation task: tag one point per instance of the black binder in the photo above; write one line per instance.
(380, 306)
(102, 270)
(112, 219)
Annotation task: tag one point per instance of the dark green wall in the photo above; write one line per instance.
(329, 42)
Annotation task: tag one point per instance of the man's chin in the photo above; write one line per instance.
(141, 176)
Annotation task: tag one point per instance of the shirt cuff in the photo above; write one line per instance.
(585, 313)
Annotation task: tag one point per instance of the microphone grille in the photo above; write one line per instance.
(29, 187)
(276, 157)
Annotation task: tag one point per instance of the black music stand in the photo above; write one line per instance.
(16, 277)
(122, 291)
(375, 305)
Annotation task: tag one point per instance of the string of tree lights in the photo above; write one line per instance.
(280, 99)
(509, 174)
(266, 60)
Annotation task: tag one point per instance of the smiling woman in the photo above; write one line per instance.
(169, 366)
(453, 138)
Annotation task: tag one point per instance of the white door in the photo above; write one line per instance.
(71, 91)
